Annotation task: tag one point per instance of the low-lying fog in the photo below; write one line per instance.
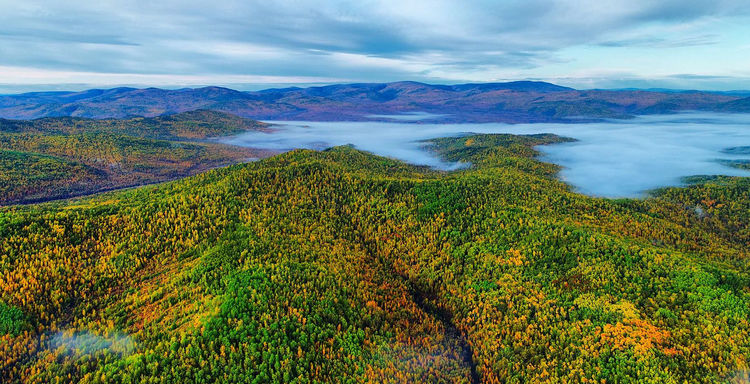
(622, 158)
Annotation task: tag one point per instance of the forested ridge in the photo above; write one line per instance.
(199, 124)
(342, 266)
(54, 158)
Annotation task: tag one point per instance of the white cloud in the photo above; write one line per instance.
(32, 76)
(368, 40)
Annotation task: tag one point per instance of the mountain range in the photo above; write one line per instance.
(512, 102)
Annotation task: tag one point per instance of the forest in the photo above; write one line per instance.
(61, 157)
(342, 266)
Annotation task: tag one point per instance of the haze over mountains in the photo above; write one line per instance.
(514, 102)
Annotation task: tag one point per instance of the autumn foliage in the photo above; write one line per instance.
(341, 266)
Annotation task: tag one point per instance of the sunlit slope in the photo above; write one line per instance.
(341, 266)
(54, 158)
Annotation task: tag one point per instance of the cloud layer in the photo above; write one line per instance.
(620, 158)
(304, 41)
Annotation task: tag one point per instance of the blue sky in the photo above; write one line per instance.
(687, 44)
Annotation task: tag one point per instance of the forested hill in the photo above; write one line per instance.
(191, 125)
(61, 157)
(341, 266)
(512, 102)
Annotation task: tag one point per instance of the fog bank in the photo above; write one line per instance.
(86, 343)
(622, 158)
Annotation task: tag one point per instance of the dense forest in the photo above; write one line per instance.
(200, 124)
(341, 266)
(61, 157)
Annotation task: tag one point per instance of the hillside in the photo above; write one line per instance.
(341, 266)
(28, 176)
(191, 125)
(513, 102)
(54, 158)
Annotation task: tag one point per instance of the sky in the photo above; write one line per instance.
(248, 44)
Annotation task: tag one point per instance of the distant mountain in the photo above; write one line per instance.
(740, 105)
(513, 102)
(521, 86)
(736, 92)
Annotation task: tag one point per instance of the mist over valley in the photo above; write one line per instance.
(616, 158)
